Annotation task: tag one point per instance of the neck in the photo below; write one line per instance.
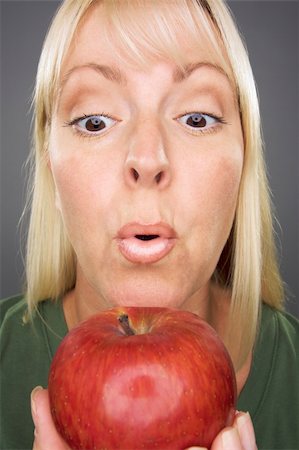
(82, 302)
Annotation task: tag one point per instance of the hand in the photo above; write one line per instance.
(46, 436)
(238, 437)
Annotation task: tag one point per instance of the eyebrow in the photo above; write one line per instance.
(114, 74)
(180, 74)
(109, 72)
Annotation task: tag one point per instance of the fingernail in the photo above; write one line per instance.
(33, 403)
(230, 439)
(246, 431)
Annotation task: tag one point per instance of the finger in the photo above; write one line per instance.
(227, 439)
(238, 437)
(46, 435)
(35, 446)
(34, 413)
(196, 448)
(245, 429)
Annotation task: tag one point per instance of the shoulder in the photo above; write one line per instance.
(25, 358)
(44, 330)
(12, 306)
(281, 327)
(30, 343)
(272, 384)
(36, 337)
(15, 331)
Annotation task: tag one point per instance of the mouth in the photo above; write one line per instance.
(145, 244)
(146, 237)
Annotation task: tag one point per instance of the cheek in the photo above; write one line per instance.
(210, 189)
(225, 178)
(210, 199)
(83, 182)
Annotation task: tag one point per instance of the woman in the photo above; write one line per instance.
(150, 189)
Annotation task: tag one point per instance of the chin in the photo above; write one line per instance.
(146, 295)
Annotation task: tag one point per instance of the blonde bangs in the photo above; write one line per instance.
(141, 31)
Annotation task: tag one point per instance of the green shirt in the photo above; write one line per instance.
(271, 393)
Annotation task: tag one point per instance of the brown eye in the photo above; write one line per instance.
(94, 124)
(200, 121)
(196, 120)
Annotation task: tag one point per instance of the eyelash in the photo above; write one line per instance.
(211, 129)
(193, 130)
(86, 134)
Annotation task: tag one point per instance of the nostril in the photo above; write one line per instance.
(146, 176)
(135, 174)
(158, 177)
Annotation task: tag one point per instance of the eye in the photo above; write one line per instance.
(199, 120)
(93, 124)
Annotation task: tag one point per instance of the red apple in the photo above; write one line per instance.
(141, 378)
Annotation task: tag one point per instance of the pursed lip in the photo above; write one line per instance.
(145, 243)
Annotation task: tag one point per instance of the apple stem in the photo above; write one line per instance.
(124, 321)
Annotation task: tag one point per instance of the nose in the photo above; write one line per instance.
(147, 164)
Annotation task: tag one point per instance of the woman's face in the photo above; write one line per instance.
(147, 165)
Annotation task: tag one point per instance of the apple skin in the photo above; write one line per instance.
(169, 386)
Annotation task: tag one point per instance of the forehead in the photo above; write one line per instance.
(135, 37)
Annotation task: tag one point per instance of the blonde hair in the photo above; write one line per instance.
(145, 29)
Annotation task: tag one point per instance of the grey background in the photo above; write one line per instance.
(271, 31)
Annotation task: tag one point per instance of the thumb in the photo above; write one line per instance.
(240, 436)
(46, 435)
